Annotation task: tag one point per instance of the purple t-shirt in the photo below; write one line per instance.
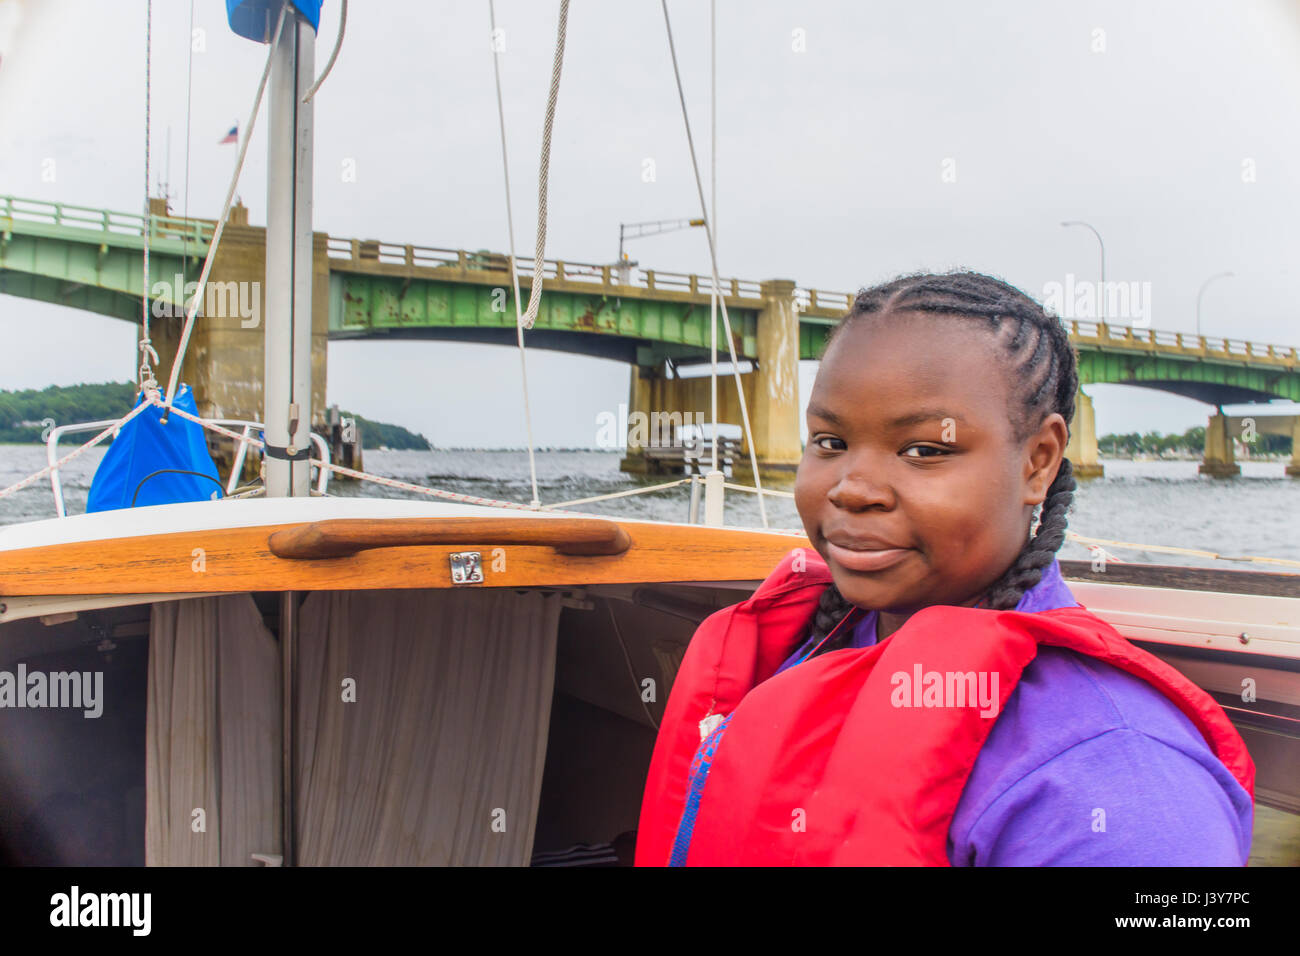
(1087, 765)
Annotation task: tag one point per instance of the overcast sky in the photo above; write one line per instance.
(856, 140)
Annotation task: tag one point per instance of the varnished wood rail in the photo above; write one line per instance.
(343, 537)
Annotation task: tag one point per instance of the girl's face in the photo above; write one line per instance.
(911, 486)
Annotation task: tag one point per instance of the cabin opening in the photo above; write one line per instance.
(465, 726)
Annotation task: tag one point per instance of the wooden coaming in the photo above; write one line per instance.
(240, 559)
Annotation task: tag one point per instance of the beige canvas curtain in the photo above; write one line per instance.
(212, 760)
(422, 724)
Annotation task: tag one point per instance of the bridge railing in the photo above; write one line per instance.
(15, 209)
(811, 299)
(613, 277)
(1199, 344)
(597, 275)
(609, 277)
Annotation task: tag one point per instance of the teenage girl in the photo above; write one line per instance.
(922, 686)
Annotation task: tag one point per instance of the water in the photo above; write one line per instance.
(1145, 502)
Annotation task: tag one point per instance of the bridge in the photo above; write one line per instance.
(656, 322)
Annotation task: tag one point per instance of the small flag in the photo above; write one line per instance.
(231, 137)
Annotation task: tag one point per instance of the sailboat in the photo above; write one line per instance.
(295, 678)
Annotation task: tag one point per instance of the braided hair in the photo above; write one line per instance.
(1039, 361)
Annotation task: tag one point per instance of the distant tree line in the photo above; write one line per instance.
(1190, 442)
(374, 434)
(22, 413)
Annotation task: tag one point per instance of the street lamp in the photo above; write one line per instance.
(1217, 275)
(1101, 293)
(642, 229)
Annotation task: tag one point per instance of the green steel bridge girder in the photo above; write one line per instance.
(100, 271)
(644, 331)
(626, 328)
(101, 277)
(1215, 381)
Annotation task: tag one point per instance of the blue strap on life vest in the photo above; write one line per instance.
(699, 774)
(704, 760)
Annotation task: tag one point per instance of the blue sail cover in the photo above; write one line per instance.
(249, 18)
(143, 446)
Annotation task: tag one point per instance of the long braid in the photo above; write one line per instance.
(1040, 550)
(1041, 363)
(832, 606)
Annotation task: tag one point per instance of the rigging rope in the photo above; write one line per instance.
(539, 260)
(717, 283)
(193, 305)
(189, 111)
(55, 466)
(713, 220)
(146, 376)
(338, 44)
(514, 266)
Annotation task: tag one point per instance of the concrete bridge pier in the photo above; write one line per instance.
(1248, 428)
(774, 408)
(224, 362)
(1293, 469)
(771, 396)
(1220, 461)
(1082, 446)
(658, 407)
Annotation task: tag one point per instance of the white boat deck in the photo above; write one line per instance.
(254, 512)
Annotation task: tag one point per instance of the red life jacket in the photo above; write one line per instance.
(824, 764)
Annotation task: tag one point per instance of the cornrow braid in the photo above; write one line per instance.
(832, 607)
(1040, 362)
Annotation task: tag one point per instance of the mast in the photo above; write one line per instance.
(287, 382)
(286, 386)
